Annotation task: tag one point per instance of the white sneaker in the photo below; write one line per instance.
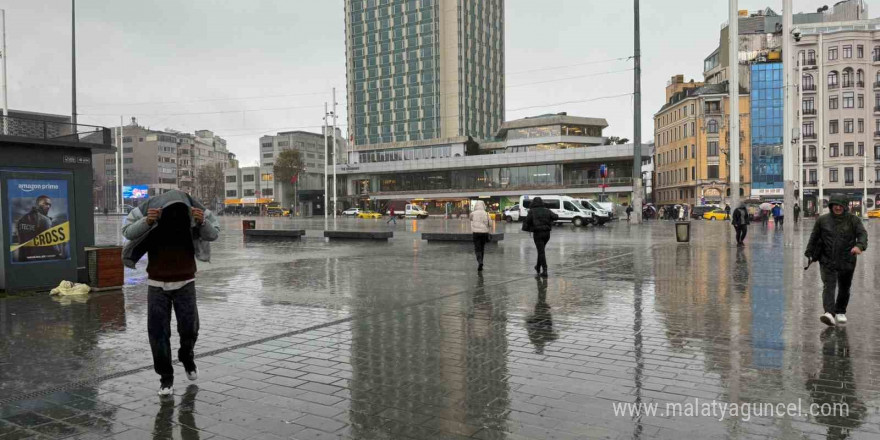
(165, 391)
(841, 318)
(193, 375)
(827, 319)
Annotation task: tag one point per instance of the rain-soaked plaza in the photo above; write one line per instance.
(312, 339)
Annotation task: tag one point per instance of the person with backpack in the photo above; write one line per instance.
(480, 224)
(838, 238)
(539, 222)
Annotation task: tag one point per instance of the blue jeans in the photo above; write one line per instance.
(159, 305)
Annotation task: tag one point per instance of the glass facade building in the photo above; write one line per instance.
(766, 126)
(419, 69)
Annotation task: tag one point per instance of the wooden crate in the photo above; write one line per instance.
(105, 267)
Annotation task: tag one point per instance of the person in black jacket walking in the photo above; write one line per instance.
(539, 222)
(740, 223)
(836, 241)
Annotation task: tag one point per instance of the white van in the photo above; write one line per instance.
(600, 214)
(563, 206)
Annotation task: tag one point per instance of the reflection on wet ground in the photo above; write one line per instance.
(310, 339)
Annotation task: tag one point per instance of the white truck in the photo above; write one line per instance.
(406, 210)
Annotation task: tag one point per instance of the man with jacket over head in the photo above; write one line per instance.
(173, 230)
(539, 222)
(836, 241)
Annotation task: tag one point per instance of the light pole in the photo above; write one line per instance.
(637, 119)
(865, 181)
(733, 143)
(787, 108)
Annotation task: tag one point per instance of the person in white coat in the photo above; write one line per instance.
(480, 224)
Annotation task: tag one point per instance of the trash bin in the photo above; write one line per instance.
(105, 267)
(248, 224)
(683, 231)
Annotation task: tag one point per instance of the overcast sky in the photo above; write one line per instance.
(244, 68)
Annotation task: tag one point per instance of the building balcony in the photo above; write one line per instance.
(713, 112)
(811, 183)
(808, 87)
(860, 84)
(810, 62)
(833, 86)
(809, 135)
(877, 134)
(811, 159)
(809, 112)
(848, 84)
(55, 131)
(877, 109)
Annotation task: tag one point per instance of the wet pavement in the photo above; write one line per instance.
(372, 340)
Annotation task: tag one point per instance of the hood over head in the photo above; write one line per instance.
(837, 200)
(537, 202)
(479, 205)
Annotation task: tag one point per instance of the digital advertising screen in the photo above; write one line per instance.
(135, 191)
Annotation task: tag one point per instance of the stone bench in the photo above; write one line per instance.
(359, 235)
(458, 236)
(294, 234)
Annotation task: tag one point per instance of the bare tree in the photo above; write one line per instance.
(287, 168)
(210, 184)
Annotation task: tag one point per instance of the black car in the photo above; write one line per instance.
(698, 211)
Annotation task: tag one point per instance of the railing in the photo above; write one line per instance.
(55, 131)
(811, 62)
(812, 182)
(833, 86)
(611, 181)
(847, 84)
(809, 111)
(713, 111)
(809, 135)
(860, 84)
(877, 108)
(811, 159)
(808, 87)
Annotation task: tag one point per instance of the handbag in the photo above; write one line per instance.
(527, 225)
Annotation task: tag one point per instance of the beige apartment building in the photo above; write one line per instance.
(691, 140)
(160, 160)
(838, 66)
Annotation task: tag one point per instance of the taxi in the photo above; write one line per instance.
(716, 214)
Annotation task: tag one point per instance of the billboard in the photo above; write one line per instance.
(39, 219)
(135, 191)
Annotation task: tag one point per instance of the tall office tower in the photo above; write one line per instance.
(424, 69)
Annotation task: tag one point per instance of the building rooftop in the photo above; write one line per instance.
(549, 119)
(49, 129)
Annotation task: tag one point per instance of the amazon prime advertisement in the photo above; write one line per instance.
(39, 217)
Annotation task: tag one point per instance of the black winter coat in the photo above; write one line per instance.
(833, 238)
(539, 219)
(740, 217)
